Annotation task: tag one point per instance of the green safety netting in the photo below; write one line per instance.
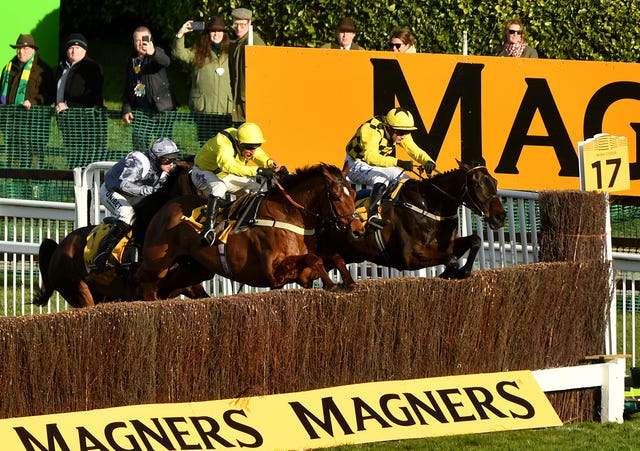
(38, 140)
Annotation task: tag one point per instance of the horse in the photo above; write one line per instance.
(63, 269)
(277, 246)
(421, 228)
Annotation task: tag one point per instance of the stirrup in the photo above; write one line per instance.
(376, 222)
(101, 260)
(209, 237)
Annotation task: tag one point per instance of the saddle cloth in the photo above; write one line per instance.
(93, 244)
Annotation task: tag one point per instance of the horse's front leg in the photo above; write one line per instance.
(338, 262)
(303, 269)
(461, 245)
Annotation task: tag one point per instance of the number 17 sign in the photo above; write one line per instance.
(604, 163)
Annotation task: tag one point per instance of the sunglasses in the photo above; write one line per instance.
(400, 132)
(515, 31)
(394, 45)
(165, 161)
(250, 146)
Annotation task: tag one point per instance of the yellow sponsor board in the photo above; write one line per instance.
(525, 117)
(362, 413)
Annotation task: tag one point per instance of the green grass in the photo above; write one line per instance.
(579, 436)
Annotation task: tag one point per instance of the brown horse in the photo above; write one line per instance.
(277, 248)
(63, 269)
(422, 224)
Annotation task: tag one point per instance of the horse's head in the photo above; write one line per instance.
(178, 183)
(481, 195)
(335, 201)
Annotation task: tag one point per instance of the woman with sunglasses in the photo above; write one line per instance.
(403, 41)
(513, 43)
(130, 180)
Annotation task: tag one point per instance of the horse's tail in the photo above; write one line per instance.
(47, 248)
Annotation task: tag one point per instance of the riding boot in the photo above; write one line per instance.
(374, 220)
(116, 233)
(208, 231)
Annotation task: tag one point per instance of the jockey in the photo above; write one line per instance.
(221, 166)
(371, 160)
(131, 179)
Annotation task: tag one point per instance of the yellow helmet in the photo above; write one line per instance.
(400, 119)
(250, 133)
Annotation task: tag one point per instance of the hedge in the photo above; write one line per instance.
(603, 30)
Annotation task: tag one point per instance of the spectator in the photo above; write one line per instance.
(147, 90)
(26, 81)
(371, 160)
(210, 82)
(403, 41)
(221, 166)
(345, 33)
(242, 25)
(82, 118)
(130, 180)
(513, 42)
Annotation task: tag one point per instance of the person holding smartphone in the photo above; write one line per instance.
(147, 90)
(210, 82)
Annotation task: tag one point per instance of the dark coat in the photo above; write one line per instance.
(83, 88)
(158, 93)
(40, 87)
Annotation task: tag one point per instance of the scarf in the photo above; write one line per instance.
(515, 50)
(22, 85)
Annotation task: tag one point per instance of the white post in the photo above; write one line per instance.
(81, 192)
(250, 38)
(465, 49)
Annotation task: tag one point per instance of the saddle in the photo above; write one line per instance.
(93, 244)
(236, 216)
(363, 200)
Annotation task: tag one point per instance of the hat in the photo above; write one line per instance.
(216, 24)
(76, 39)
(346, 24)
(25, 40)
(241, 14)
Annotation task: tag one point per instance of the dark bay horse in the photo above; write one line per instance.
(422, 228)
(63, 269)
(278, 248)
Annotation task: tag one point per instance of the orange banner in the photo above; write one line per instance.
(524, 117)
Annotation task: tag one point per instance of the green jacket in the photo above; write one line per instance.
(210, 84)
(236, 66)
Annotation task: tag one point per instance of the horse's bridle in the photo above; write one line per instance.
(472, 204)
(336, 220)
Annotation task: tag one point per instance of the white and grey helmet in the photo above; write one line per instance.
(163, 148)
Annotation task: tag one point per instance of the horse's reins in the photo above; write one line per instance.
(293, 202)
(464, 193)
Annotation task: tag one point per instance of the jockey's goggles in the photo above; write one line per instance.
(250, 146)
(165, 161)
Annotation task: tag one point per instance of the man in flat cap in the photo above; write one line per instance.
(345, 33)
(244, 36)
(79, 87)
(27, 81)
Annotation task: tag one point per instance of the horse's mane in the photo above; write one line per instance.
(308, 172)
(149, 206)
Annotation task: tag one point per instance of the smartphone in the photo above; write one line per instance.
(198, 25)
(146, 38)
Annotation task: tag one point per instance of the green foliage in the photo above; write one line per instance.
(566, 29)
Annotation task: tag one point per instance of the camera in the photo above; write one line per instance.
(146, 38)
(198, 25)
